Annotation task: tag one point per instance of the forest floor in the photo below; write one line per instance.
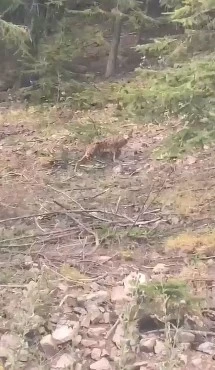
(68, 240)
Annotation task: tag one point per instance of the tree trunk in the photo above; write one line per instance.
(112, 58)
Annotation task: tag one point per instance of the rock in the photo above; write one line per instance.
(11, 341)
(94, 286)
(48, 346)
(159, 347)
(102, 364)
(118, 294)
(191, 160)
(132, 280)
(114, 354)
(5, 352)
(147, 345)
(78, 366)
(117, 170)
(160, 268)
(184, 346)
(87, 352)
(106, 317)
(88, 342)
(207, 347)
(96, 332)
(96, 354)
(65, 361)
(104, 353)
(197, 361)
(94, 312)
(97, 297)
(103, 259)
(85, 322)
(183, 358)
(118, 335)
(185, 337)
(23, 355)
(65, 333)
(80, 310)
(138, 365)
(76, 340)
(102, 343)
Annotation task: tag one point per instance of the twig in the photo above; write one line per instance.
(97, 195)
(111, 331)
(117, 205)
(196, 332)
(77, 281)
(80, 224)
(37, 235)
(38, 225)
(13, 286)
(30, 216)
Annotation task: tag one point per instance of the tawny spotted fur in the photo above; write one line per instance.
(110, 145)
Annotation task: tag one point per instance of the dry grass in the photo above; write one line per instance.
(203, 243)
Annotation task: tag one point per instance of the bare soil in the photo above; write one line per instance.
(128, 210)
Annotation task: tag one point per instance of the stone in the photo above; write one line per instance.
(131, 281)
(185, 337)
(11, 341)
(184, 346)
(85, 322)
(138, 365)
(114, 354)
(94, 312)
(94, 286)
(104, 353)
(23, 355)
(207, 347)
(197, 361)
(96, 354)
(102, 364)
(65, 361)
(5, 352)
(80, 310)
(160, 268)
(191, 160)
(64, 334)
(96, 332)
(78, 366)
(118, 335)
(48, 346)
(183, 358)
(159, 347)
(106, 317)
(117, 170)
(87, 352)
(76, 340)
(118, 294)
(102, 343)
(147, 345)
(89, 342)
(99, 297)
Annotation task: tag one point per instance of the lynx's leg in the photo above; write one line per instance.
(116, 154)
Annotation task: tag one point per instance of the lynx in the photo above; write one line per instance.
(111, 145)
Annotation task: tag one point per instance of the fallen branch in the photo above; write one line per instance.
(80, 224)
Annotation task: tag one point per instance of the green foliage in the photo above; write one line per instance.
(186, 92)
(169, 300)
(185, 141)
(14, 35)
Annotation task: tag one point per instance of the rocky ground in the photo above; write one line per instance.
(111, 267)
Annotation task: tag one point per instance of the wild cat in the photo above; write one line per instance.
(111, 145)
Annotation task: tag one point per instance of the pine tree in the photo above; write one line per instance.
(182, 81)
